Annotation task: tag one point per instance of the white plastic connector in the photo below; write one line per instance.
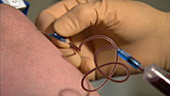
(19, 4)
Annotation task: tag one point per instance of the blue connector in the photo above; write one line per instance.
(125, 56)
(57, 36)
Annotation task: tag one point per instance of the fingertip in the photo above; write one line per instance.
(63, 26)
(72, 56)
(86, 65)
(44, 20)
(59, 43)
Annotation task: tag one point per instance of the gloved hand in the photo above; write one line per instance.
(137, 28)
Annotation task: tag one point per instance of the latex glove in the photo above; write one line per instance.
(137, 28)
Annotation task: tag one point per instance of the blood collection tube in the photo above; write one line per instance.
(154, 74)
(158, 77)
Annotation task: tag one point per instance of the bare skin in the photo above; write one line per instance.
(30, 64)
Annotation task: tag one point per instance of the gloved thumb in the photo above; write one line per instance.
(76, 20)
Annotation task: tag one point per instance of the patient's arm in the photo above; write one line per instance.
(30, 64)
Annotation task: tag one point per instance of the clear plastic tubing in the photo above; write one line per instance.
(158, 77)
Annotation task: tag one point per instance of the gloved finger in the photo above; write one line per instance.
(76, 20)
(72, 56)
(55, 11)
(45, 21)
(86, 65)
(46, 18)
(84, 15)
(67, 5)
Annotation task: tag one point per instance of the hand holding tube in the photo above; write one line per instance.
(134, 26)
